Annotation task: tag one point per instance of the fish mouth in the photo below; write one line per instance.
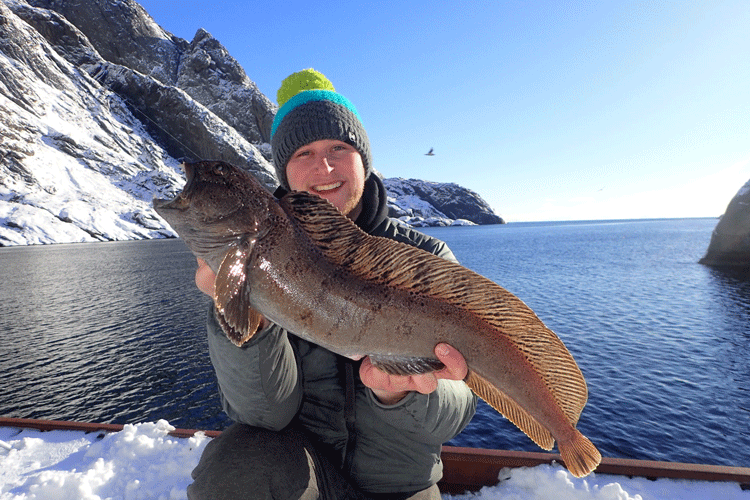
(177, 203)
(181, 201)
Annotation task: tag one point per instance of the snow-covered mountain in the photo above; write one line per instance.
(98, 104)
(424, 203)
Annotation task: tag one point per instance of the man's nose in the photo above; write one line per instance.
(325, 162)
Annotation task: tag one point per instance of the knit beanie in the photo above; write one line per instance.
(310, 109)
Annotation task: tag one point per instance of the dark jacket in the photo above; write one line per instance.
(276, 379)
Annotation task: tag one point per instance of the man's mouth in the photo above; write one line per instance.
(323, 188)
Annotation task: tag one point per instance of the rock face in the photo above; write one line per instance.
(168, 82)
(98, 105)
(730, 241)
(75, 165)
(422, 203)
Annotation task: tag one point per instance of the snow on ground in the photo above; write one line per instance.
(142, 462)
(553, 482)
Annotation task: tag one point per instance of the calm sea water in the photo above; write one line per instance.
(113, 332)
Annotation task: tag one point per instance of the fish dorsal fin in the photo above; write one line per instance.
(395, 264)
(238, 320)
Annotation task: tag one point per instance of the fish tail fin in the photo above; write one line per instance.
(580, 455)
(510, 410)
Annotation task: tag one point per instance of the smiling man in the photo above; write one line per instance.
(331, 169)
(312, 424)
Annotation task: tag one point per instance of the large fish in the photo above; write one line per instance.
(303, 265)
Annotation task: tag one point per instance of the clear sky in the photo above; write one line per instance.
(550, 110)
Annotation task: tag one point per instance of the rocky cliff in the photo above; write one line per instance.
(97, 106)
(730, 240)
(423, 203)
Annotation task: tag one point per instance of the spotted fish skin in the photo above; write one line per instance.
(303, 265)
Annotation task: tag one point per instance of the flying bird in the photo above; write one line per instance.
(430, 153)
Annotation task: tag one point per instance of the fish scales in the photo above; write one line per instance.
(303, 265)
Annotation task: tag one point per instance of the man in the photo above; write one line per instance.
(310, 423)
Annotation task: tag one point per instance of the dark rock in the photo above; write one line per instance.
(215, 79)
(123, 33)
(65, 38)
(423, 199)
(185, 128)
(730, 240)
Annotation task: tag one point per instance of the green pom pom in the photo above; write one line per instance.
(307, 79)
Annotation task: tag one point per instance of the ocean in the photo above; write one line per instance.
(114, 332)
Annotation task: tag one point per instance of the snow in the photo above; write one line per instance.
(140, 462)
(743, 190)
(89, 161)
(553, 482)
(144, 462)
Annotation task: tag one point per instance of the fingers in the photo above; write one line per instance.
(205, 278)
(426, 383)
(455, 364)
(382, 382)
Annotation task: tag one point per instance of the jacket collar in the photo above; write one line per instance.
(374, 205)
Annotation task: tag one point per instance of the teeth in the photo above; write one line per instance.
(327, 187)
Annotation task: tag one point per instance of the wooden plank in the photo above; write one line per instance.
(473, 468)
(57, 425)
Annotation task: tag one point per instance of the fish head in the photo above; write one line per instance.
(219, 206)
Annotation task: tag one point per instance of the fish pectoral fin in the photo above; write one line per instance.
(510, 410)
(236, 317)
(405, 365)
(236, 336)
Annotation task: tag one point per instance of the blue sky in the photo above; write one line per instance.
(549, 110)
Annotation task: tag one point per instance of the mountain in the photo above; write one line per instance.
(99, 105)
(730, 240)
(424, 203)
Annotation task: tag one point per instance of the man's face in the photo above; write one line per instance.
(331, 169)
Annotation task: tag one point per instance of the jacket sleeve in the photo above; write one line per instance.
(258, 382)
(432, 418)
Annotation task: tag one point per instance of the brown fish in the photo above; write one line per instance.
(303, 265)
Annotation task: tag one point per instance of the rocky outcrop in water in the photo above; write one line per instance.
(730, 240)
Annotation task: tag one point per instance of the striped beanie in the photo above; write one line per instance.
(310, 110)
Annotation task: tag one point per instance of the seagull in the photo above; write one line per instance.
(430, 153)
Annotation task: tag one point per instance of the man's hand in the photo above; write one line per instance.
(390, 389)
(205, 278)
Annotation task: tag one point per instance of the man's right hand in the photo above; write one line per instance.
(205, 278)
